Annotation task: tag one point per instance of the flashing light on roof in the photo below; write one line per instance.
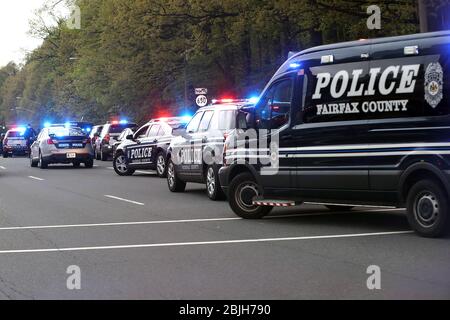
(253, 100)
(21, 130)
(186, 118)
(295, 65)
(123, 122)
(68, 124)
(115, 122)
(47, 125)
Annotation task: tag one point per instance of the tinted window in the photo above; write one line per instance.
(206, 120)
(66, 132)
(273, 111)
(195, 122)
(142, 133)
(114, 129)
(14, 134)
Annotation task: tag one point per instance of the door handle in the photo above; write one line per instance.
(204, 140)
(155, 141)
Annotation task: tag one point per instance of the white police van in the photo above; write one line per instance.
(357, 123)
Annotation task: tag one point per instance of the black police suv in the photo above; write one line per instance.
(147, 148)
(357, 123)
(108, 136)
(197, 154)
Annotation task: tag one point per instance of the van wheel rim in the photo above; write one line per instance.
(245, 194)
(121, 164)
(426, 209)
(171, 175)
(211, 181)
(161, 165)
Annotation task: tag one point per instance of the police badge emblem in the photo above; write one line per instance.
(434, 80)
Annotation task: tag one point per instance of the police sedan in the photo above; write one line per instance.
(147, 148)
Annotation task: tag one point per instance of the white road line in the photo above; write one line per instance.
(137, 223)
(2, 167)
(117, 224)
(36, 178)
(110, 168)
(125, 200)
(225, 242)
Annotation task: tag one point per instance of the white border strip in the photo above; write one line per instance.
(36, 178)
(115, 224)
(125, 200)
(225, 242)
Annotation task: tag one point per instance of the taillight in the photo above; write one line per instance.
(87, 141)
(50, 141)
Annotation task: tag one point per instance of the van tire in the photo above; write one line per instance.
(240, 203)
(174, 183)
(339, 208)
(428, 209)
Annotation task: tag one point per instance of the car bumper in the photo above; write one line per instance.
(61, 156)
(16, 149)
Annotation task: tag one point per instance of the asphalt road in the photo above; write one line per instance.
(133, 239)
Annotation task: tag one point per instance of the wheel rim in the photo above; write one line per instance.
(171, 175)
(426, 209)
(121, 164)
(211, 181)
(161, 165)
(245, 193)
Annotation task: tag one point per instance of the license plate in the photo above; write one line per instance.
(64, 145)
(71, 155)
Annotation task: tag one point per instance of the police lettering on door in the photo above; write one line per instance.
(140, 154)
(380, 90)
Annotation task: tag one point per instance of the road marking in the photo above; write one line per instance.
(224, 242)
(117, 224)
(110, 168)
(125, 200)
(36, 178)
(137, 223)
(2, 167)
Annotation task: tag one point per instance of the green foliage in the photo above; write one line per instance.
(134, 57)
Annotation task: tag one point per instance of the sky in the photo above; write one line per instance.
(14, 27)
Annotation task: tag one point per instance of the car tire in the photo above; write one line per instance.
(89, 164)
(161, 165)
(174, 183)
(76, 164)
(213, 187)
(121, 166)
(428, 209)
(103, 156)
(33, 163)
(42, 163)
(243, 188)
(339, 208)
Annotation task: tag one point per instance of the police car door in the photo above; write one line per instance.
(134, 151)
(185, 146)
(331, 124)
(273, 115)
(199, 140)
(404, 114)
